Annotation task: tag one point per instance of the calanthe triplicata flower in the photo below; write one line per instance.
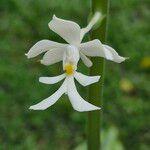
(73, 34)
(71, 58)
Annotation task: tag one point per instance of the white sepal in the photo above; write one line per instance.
(68, 30)
(43, 46)
(92, 48)
(96, 49)
(112, 54)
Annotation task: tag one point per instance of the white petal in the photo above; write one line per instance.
(68, 30)
(86, 60)
(43, 46)
(96, 48)
(85, 80)
(53, 56)
(76, 100)
(93, 21)
(50, 100)
(71, 56)
(52, 80)
(113, 54)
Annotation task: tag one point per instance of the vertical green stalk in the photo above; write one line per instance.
(95, 90)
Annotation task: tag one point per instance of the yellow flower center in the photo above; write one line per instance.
(69, 69)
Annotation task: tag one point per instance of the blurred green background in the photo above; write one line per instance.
(126, 105)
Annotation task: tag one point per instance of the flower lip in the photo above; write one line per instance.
(68, 87)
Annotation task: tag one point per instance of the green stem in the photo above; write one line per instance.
(95, 90)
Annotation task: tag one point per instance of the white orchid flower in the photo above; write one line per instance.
(68, 87)
(73, 34)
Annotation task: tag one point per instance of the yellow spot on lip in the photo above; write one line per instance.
(69, 69)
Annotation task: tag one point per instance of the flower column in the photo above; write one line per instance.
(95, 91)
